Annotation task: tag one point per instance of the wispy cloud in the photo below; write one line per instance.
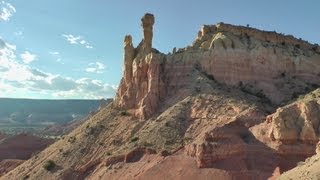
(6, 50)
(20, 78)
(18, 33)
(96, 67)
(28, 57)
(86, 87)
(77, 40)
(89, 46)
(54, 53)
(6, 11)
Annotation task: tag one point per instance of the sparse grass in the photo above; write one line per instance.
(49, 165)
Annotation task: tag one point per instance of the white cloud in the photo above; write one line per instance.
(6, 11)
(85, 87)
(54, 53)
(20, 79)
(96, 67)
(6, 50)
(89, 47)
(28, 57)
(77, 40)
(18, 33)
(72, 39)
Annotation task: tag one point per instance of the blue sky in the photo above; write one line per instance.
(73, 48)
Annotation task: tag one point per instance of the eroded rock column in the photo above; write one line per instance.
(147, 25)
(129, 53)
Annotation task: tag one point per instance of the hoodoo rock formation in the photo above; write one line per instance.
(141, 87)
(239, 103)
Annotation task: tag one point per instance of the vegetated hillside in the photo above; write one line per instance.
(227, 107)
(15, 149)
(24, 114)
(63, 128)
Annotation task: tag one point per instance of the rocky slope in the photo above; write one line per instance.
(308, 128)
(309, 169)
(207, 110)
(16, 149)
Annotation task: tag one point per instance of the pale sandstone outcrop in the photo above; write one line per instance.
(298, 121)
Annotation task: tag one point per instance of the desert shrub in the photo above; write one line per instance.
(72, 139)
(197, 89)
(240, 84)
(263, 97)
(210, 76)
(307, 88)
(314, 86)
(124, 113)
(164, 153)
(134, 139)
(314, 48)
(49, 165)
(90, 130)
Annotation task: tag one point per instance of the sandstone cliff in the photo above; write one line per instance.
(267, 64)
(298, 121)
(207, 110)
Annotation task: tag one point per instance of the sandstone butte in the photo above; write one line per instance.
(239, 103)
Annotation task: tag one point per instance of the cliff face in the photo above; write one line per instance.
(204, 111)
(266, 64)
(298, 121)
(141, 86)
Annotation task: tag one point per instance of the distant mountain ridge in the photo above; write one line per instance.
(22, 113)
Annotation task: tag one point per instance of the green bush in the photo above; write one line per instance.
(124, 113)
(72, 139)
(49, 165)
(134, 139)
